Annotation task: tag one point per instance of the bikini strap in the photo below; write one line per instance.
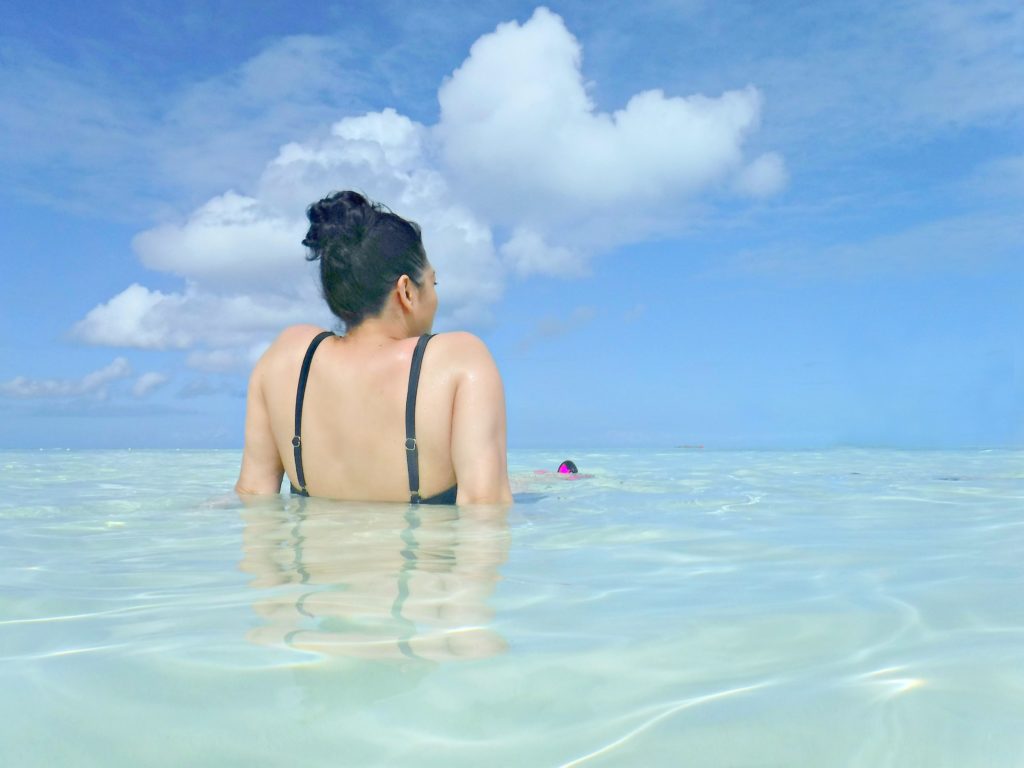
(300, 395)
(411, 451)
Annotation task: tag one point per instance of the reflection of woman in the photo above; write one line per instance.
(369, 585)
(376, 414)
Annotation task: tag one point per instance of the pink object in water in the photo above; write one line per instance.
(562, 475)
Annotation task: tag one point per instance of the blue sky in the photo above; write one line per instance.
(729, 224)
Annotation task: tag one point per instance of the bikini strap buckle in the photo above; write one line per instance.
(409, 440)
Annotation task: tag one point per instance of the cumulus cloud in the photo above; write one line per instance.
(139, 317)
(133, 318)
(521, 175)
(94, 384)
(148, 382)
(519, 129)
(230, 241)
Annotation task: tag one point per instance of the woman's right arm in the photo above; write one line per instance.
(262, 470)
(479, 440)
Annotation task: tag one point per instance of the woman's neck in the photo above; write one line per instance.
(379, 332)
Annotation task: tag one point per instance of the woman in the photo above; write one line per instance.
(377, 414)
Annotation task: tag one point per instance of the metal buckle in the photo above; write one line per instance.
(296, 441)
(410, 440)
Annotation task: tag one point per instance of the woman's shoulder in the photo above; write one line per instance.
(463, 349)
(462, 343)
(297, 335)
(292, 342)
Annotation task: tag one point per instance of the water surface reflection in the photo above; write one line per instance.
(375, 581)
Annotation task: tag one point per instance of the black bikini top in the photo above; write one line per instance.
(411, 451)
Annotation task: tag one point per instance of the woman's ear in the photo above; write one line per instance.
(404, 288)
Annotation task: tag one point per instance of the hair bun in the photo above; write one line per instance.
(343, 215)
(363, 247)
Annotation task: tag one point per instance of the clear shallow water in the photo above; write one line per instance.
(846, 608)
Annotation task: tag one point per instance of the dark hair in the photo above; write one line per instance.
(363, 249)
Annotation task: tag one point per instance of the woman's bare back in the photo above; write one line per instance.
(353, 422)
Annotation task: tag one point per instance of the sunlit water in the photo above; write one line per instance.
(845, 608)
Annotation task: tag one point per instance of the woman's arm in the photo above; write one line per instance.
(262, 470)
(479, 427)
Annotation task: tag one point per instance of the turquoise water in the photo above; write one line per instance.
(844, 608)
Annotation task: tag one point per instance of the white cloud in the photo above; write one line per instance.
(525, 252)
(139, 317)
(521, 135)
(148, 382)
(136, 317)
(763, 177)
(522, 174)
(94, 383)
(231, 241)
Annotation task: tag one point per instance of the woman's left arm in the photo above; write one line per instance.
(262, 470)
